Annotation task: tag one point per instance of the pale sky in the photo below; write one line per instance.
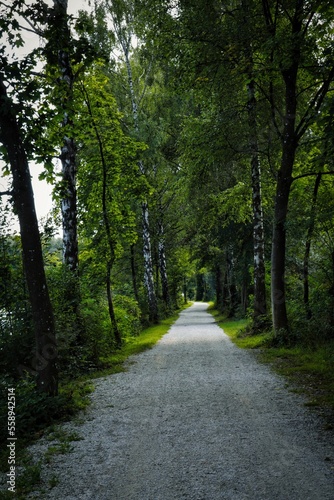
(42, 190)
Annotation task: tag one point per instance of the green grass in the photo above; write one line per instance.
(309, 370)
(236, 330)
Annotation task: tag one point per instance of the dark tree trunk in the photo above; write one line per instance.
(290, 62)
(278, 299)
(113, 321)
(219, 288)
(244, 297)
(284, 180)
(134, 273)
(157, 272)
(200, 288)
(44, 361)
(226, 292)
(308, 247)
(185, 291)
(231, 294)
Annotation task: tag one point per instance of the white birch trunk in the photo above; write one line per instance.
(68, 150)
(147, 253)
(148, 267)
(260, 304)
(69, 205)
(163, 265)
(260, 307)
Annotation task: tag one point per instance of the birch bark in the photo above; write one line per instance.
(68, 150)
(147, 252)
(162, 262)
(260, 306)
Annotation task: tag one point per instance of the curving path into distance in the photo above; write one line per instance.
(196, 418)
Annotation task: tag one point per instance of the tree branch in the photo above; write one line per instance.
(32, 29)
(314, 106)
(6, 193)
(312, 174)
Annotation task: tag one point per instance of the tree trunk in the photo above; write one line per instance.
(278, 299)
(69, 206)
(147, 253)
(113, 321)
(134, 273)
(219, 288)
(260, 305)
(260, 302)
(308, 247)
(284, 180)
(44, 361)
(200, 289)
(148, 267)
(68, 150)
(163, 272)
(185, 295)
(162, 262)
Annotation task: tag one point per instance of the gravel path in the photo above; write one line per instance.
(195, 418)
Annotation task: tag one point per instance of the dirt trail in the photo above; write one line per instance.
(196, 418)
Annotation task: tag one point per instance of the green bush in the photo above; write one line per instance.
(65, 297)
(128, 316)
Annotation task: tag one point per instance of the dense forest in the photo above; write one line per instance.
(190, 148)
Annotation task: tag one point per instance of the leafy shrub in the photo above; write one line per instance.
(98, 340)
(64, 293)
(128, 316)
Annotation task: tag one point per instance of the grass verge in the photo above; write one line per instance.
(308, 369)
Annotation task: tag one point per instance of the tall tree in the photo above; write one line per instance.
(19, 98)
(11, 137)
(60, 40)
(294, 28)
(260, 303)
(110, 179)
(121, 14)
(212, 53)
